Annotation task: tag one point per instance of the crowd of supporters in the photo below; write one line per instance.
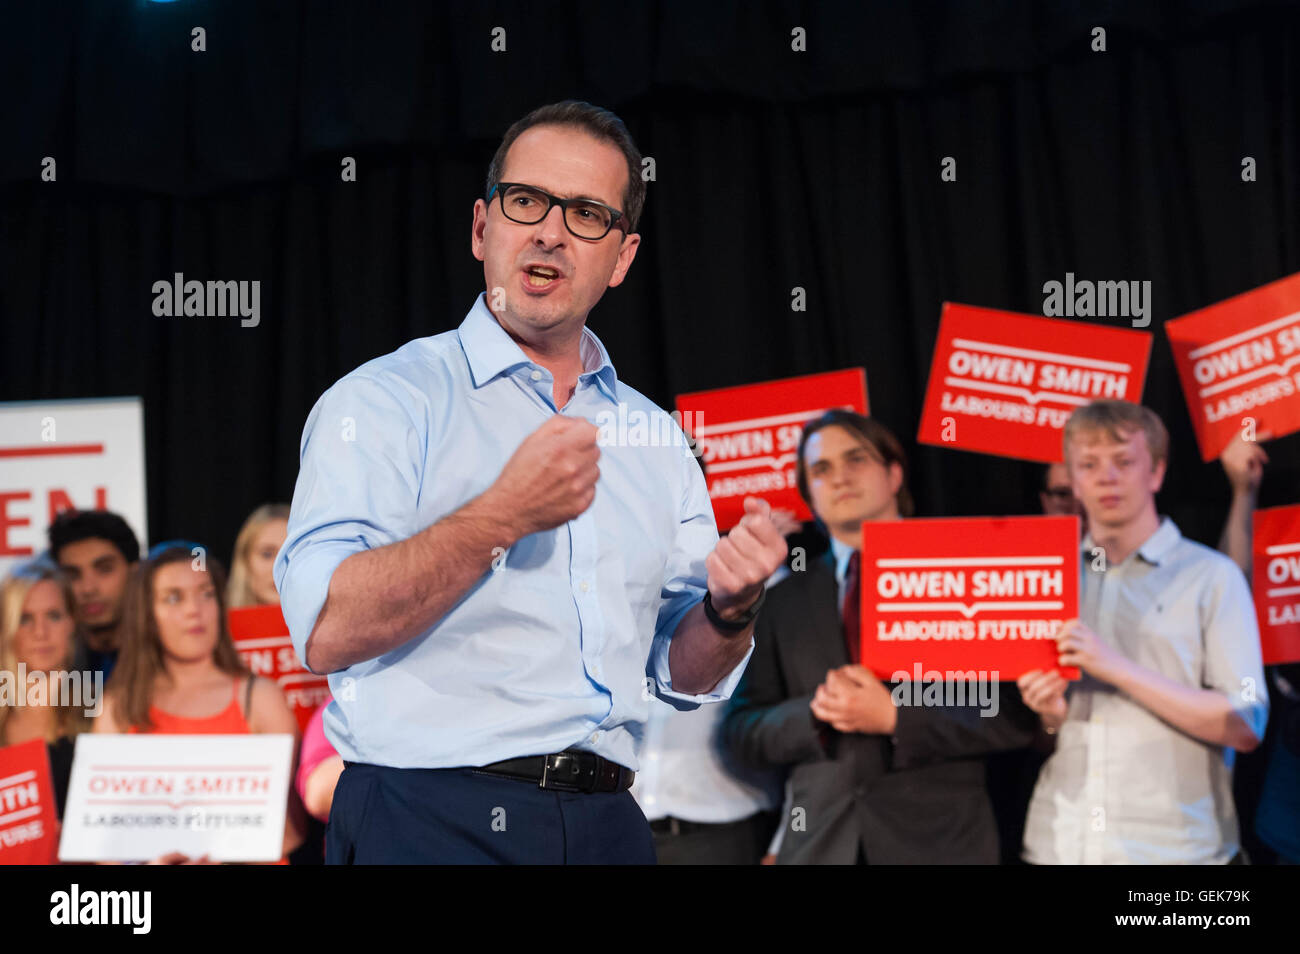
(718, 784)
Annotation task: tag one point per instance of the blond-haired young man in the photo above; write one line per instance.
(1172, 682)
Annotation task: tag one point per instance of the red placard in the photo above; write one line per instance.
(982, 594)
(1241, 359)
(1005, 383)
(262, 637)
(28, 821)
(1276, 582)
(749, 436)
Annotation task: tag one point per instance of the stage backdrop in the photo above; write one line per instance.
(799, 156)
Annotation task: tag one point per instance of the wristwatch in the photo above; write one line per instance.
(741, 622)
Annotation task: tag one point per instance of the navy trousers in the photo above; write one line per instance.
(383, 815)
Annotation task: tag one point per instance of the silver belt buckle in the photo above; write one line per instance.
(556, 777)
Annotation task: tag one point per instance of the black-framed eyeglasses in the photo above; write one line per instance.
(585, 218)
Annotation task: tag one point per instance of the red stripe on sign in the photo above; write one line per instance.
(180, 768)
(66, 449)
(174, 806)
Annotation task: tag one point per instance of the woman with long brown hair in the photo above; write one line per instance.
(179, 672)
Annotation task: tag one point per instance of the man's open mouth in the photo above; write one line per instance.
(539, 276)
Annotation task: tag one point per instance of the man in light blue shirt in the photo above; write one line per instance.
(500, 553)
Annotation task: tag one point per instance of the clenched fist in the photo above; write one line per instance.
(743, 560)
(551, 477)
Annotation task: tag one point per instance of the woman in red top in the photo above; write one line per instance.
(179, 672)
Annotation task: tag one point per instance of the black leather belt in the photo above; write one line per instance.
(567, 771)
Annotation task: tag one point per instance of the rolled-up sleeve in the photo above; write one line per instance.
(1233, 661)
(685, 583)
(358, 485)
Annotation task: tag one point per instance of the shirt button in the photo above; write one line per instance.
(583, 586)
(536, 375)
(595, 737)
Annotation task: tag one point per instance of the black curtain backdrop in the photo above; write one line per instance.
(774, 169)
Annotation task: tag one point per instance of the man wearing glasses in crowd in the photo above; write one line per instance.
(1057, 495)
(494, 609)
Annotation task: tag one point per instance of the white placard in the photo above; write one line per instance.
(59, 454)
(139, 797)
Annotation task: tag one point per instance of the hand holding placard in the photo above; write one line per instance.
(1082, 648)
(1239, 364)
(28, 821)
(1243, 463)
(180, 858)
(968, 598)
(174, 797)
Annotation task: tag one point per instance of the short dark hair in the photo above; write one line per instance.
(881, 440)
(597, 122)
(73, 526)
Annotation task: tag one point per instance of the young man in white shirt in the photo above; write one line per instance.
(1172, 679)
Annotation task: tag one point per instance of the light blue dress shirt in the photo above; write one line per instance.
(565, 643)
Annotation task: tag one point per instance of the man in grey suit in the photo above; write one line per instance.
(871, 781)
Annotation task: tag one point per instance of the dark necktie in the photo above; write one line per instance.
(852, 607)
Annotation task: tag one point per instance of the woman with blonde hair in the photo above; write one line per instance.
(179, 672)
(259, 540)
(38, 652)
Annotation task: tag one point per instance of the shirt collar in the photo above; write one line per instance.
(842, 553)
(1153, 549)
(491, 352)
(595, 359)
